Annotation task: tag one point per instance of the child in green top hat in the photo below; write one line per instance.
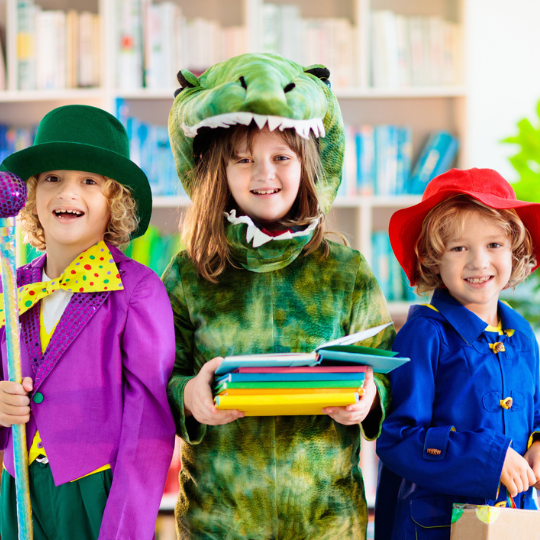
(95, 357)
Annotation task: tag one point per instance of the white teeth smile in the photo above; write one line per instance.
(478, 280)
(265, 191)
(74, 212)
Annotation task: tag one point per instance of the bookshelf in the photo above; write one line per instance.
(425, 107)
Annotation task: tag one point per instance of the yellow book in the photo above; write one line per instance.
(285, 404)
(289, 391)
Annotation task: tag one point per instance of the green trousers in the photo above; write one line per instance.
(72, 510)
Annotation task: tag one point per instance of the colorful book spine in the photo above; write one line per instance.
(436, 158)
(305, 369)
(290, 384)
(292, 377)
(288, 391)
(283, 404)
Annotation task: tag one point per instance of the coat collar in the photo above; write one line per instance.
(76, 316)
(39, 262)
(468, 325)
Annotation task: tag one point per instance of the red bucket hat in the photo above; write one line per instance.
(485, 185)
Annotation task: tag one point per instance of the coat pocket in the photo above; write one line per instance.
(432, 517)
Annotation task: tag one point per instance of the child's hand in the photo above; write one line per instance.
(354, 414)
(198, 399)
(533, 459)
(516, 475)
(14, 402)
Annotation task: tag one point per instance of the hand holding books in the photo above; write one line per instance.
(198, 400)
(333, 375)
(357, 412)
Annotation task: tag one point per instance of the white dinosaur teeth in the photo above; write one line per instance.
(302, 127)
(260, 120)
(273, 122)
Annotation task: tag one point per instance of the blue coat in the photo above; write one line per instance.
(447, 433)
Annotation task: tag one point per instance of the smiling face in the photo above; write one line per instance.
(476, 265)
(72, 209)
(264, 181)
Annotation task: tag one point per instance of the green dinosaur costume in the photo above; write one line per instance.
(286, 477)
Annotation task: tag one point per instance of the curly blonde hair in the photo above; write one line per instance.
(122, 223)
(447, 220)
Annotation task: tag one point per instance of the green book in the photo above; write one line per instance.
(289, 384)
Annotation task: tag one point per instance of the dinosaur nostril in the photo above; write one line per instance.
(243, 83)
(289, 87)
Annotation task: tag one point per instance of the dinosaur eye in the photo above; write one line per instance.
(177, 91)
(243, 83)
(327, 82)
(289, 87)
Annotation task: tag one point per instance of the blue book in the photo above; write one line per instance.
(380, 142)
(365, 161)
(340, 351)
(381, 261)
(391, 160)
(408, 291)
(404, 159)
(395, 276)
(271, 377)
(436, 158)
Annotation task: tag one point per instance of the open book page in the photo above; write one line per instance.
(231, 363)
(356, 337)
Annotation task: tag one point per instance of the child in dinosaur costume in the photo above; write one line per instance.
(258, 142)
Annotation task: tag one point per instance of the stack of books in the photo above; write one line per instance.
(262, 391)
(301, 383)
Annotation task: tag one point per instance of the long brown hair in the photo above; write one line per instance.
(203, 227)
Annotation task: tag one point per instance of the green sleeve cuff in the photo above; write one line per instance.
(189, 429)
(372, 425)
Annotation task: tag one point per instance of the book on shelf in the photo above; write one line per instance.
(155, 40)
(57, 49)
(129, 53)
(308, 41)
(26, 46)
(389, 274)
(436, 157)
(340, 351)
(378, 161)
(413, 50)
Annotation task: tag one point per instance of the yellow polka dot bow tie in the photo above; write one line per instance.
(94, 270)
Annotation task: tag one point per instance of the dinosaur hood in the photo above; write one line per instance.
(267, 89)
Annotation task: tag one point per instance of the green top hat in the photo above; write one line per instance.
(84, 138)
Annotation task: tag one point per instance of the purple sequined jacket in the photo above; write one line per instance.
(103, 381)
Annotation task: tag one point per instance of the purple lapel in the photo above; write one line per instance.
(78, 313)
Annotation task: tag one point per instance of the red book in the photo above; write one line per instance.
(303, 369)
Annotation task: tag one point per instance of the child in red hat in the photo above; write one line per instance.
(464, 425)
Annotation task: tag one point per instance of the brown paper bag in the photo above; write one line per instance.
(471, 522)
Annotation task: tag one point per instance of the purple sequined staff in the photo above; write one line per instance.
(12, 199)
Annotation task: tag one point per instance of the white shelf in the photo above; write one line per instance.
(401, 309)
(341, 93)
(340, 202)
(171, 202)
(400, 93)
(146, 93)
(33, 96)
(168, 502)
